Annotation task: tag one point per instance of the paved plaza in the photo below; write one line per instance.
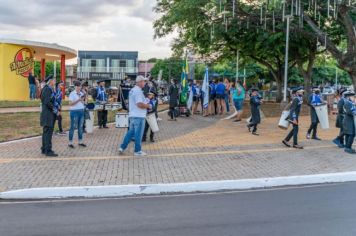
(191, 149)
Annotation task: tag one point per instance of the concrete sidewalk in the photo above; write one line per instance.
(190, 150)
(24, 109)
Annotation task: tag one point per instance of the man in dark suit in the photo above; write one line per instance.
(255, 102)
(348, 122)
(294, 118)
(48, 116)
(314, 100)
(340, 139)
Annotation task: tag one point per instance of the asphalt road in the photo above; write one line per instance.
(320, 210)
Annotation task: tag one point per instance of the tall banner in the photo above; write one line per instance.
(205, 88)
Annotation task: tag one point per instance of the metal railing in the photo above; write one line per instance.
(110, 69)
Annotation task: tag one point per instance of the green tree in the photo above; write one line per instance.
(171, 68)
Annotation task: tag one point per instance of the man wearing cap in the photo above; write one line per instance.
(102, 97)
(255, 102)
(293, 118)
(48, 116)
(314, 100)
(138, 106)
(339, 140)
(348, 122)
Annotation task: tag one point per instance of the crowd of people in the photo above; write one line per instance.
(143, 101)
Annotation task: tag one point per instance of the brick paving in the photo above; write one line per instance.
(192, 149)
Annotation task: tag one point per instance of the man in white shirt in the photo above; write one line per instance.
(76, 102)
(138, 106)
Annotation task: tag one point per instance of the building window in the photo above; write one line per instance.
(115, 63)
(93, 63)
(130, 63)
(122, 63)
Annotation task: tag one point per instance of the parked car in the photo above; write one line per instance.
(328, 90)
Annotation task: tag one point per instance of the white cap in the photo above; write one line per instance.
(140, 78)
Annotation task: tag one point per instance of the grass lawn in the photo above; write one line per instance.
(34, 103)
(27, 124)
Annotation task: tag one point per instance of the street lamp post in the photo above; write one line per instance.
(288, 17)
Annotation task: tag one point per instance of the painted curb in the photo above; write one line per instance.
(152, 189)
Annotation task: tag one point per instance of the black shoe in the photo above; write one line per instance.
(144, 140)
(71, 146)
(236, 120)
(152, 140)
(286, 143)
(51, 154)
(43, 151)
(249, 128)
(298, 146)
(255, 133)
(105, 127)
(316, 138)
(82, 145)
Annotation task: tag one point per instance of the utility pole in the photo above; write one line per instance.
(288, 17)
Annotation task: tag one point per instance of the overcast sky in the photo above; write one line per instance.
(85, 24)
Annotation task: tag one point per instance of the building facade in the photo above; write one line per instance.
(108, 65)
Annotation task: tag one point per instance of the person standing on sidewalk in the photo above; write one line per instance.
(220, 97)
(227, 94)
(348, 122)
(314, 100)
(340, 139)
(58, 104)
(138, 106)
(48, 116)
(238, 97)
(294, 118)
(76, 102)
(173, 94)
(255, 102)
(32, 86)
(102, 97)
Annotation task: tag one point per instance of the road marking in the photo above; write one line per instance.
(178, 154)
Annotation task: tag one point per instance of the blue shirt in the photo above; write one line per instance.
(212, 88)
(316, 99)
(101, 94)
(220, 89)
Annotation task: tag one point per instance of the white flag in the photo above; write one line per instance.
(205, 88)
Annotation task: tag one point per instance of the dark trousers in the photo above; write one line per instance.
(172, 112)
(254, 126)
(147, 126)
(349, 140)
(293, 133)
(60, 127)
(341, 136)
(102, 118)
(313, 128)
(47, 139)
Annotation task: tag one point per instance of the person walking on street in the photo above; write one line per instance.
(76, 102)
(173, 93)
(85, 91)
(138, 106)
(238, 97)
(294, 118)
(314, 100)
(58, 104)
(32, 86)
(48, 116)
(255, 102)
(102, 97)
(348, 122)
(340, 139)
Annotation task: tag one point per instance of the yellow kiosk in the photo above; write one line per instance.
(17, 59)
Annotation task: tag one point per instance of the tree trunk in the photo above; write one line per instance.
(279, 81)
(353, 78)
